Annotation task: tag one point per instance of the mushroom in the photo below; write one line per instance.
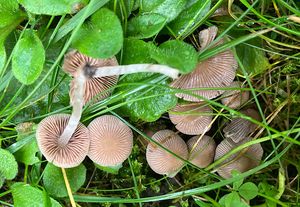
(161, 161)
(235, 98)
(48, 134)
(201, 150)
(240, 128)
(192, 118)
(215, 72)
(76, 63)
(241, 161)
(88, 80)
(111, 141)
(84, 86)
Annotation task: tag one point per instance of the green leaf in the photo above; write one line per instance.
(137, 51)
(101, 37)
(8, 165)
(53, 7)
(168, 8)
(11, 16)
(146, 25)
(25, 195)
(28, 153)
(54, 182)
(110, 169)
(9, 11)
(28, 58)
(177, 54)
(237, 183)
(149, 109)
(253, 59)
(248, 190)
(193, 12)
(232, 200)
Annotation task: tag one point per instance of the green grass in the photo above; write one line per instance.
(262, 26)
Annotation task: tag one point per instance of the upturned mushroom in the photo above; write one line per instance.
(192, 118)
(48, 134)
(88, 80)
(235, 98)
(111, 141)
(215, 72)
(241, 161)
(240, 128)
(161, 161)
(201, 150)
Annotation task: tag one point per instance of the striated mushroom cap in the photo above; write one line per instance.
(240, 128)
(194, 119)
(201, 150)
(111, 141)
(206, 36)
(241, 161)
(75, 61)
(161, 161)
(47, 135)
(235, 98)
(215, 72)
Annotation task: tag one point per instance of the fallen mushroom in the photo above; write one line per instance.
(192, 118)
(241, 161)
(86, 83)
(201, 150)
(111, 141)
(215, 72)
(240, 128)
(235, 98)
(161, 161)
(48, 133)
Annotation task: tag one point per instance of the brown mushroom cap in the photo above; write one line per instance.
(111, 141)
(206, 36)
(48, 133)
(241, 161)
(235, 98)
(240, 128)
(194, 120)
(75, 61)
(201, 150)
(215, 72)
(161, 161)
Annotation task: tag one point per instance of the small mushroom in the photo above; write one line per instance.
(76, 63)
(191, 119)
(215, 72)
(70, 155)
(235, 98)
(84, 86)
(87, 82)
(241, 161)
(240, 128)
(161, 161)
(111, 141)
(201, 150)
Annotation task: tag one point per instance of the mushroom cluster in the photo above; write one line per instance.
(210, 79)
(107, 141)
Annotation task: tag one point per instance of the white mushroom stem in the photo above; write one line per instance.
(136, 68)
(77, 103)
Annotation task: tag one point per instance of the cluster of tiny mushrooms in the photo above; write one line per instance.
(107, 141)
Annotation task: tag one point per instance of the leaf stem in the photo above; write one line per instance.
(73, 204)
